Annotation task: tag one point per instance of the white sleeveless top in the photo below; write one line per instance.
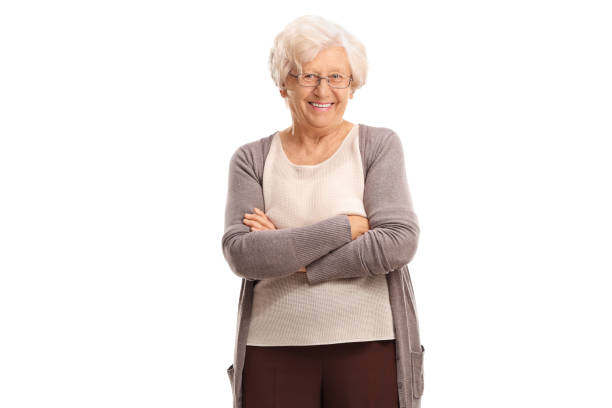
(290, 311)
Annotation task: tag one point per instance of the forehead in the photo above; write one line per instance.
(318, 70)
(331, 59)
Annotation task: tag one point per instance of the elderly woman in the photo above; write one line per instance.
(319, 224)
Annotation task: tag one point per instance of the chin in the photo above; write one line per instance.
(324, 122)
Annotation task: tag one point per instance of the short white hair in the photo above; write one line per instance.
(301, 41)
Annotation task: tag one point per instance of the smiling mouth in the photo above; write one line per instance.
(321, 105)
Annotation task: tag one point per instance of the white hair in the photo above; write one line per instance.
(301, 41)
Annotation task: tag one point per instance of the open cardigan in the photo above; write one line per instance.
(327, 249)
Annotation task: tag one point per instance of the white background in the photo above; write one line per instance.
(117, 122)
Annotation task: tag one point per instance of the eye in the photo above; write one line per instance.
(336, 76)
(308, 76)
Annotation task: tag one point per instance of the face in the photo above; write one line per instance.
(333, 59)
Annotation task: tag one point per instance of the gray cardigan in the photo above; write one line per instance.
(327, 250)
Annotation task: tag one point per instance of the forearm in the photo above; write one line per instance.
(378, 251)
(256, 255)
(393, 237)
(268, 254)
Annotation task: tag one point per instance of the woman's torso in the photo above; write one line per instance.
(290, 311)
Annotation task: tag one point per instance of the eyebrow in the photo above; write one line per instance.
(333, 69)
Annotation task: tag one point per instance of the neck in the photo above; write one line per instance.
(309, 136)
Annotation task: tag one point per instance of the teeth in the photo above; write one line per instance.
(318, 105)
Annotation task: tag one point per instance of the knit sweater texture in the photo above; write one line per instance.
(288, 310)
(327, 250)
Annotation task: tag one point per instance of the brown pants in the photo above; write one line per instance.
(342, 375)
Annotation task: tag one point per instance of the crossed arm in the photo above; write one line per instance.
(326, 247)
(268, 254)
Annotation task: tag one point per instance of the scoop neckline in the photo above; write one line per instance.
(286, 158)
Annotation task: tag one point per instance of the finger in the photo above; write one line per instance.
(253, 223)
(262, 219)
(266, 222)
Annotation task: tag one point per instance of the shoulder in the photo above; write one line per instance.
(251, 156)
(377, 137)
(252, 148)
(375, 141)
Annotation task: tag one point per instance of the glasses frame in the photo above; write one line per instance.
(319, 81)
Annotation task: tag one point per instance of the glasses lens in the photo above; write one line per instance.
(336, 80)
(309, 79)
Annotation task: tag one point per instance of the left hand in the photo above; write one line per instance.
(258, 221)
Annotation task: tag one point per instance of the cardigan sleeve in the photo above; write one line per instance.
(256, 255)
(393, 237)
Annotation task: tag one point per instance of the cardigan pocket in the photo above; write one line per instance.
(418, 382)
(230, 374)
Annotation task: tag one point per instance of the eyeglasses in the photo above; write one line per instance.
(335, 80)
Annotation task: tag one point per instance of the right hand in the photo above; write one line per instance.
(359, 225)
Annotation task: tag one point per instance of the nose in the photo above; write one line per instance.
(323, 88)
